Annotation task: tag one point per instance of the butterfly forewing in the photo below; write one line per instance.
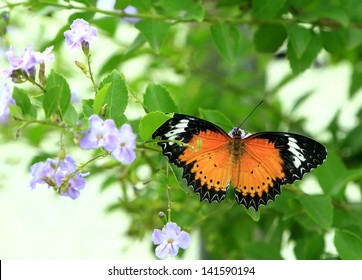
(272, 159)
(201, 149)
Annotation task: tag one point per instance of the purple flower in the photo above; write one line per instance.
(5, 100)
(100, 134)
(241, 131)
(28, 58)
(63, 176)
(126, 143)
(43, 173)
(169, 240)
(80, 33)
(104, 134)
(69, 179)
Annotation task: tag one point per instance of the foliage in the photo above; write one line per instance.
(218, 52)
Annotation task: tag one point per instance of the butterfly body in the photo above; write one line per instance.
(255, 165)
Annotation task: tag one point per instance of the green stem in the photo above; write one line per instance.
(91, 74)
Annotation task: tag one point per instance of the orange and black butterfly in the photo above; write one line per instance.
(256, 165)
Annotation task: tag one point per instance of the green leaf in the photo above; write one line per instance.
(158, 98)
(71, 116)
(330, 173)
(87, 106)
(348, 245)
(319, 208)
(99, 99)
(335, 13)
(356, 80)
(217, 118)
(259, 250)
(265, 42)
(108, 24)
(227, 40)
(154, 31)
(310, 248)
(23, 102)
(57, 96)
(116, 99)
(267, 9)
(150, 123)
(334, 41)
(185, 9)
(301, 55)
(299, 39)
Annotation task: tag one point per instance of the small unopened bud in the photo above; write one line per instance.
(81, 66)
(85, 47)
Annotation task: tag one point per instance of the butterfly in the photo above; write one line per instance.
(255, 165)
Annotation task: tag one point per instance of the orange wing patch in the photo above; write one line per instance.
(207, 165)
(257, 176)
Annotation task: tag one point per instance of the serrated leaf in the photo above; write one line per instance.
(150, 123)
(319, 208)
(267, 9)
(310, 248)
(158, 98)
(348, 245)
(57, 96)
(116, 98)
(263, 40)
(154, 31)
(334, 41)
(227, 41)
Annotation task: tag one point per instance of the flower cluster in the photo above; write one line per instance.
(62, 175)
(22, 67)
(169, 240)
(79, 35)
(104, 134)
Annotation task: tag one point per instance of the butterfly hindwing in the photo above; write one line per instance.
(204, 157)
(272, 159)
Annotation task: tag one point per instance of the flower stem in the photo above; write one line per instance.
(91, 74)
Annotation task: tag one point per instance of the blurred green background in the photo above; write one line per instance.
(302, 58)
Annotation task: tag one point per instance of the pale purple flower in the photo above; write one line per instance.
(70, 180)
(80, 32)
(242, 132)
(108, 5)
(5, 100)
(126, 143)
(100, 134)
(43, 173)
(29, 58)
(63, 176)
(169, 240)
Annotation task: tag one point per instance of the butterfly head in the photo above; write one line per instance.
(237, 132)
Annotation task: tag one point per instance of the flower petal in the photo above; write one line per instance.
(162, 250)
(183, 240)
(158, 237)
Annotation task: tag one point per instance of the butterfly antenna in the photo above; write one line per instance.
(256, 107)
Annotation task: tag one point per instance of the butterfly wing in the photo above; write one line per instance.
(201, 150)
(272, 159)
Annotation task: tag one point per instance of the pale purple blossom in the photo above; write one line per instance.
(29, 58)
(104, 134)
(131, 11)
(5, 100)
(126, 143)
(169, 240)
(242, 132)
(80, 33)
(108, 5)
(101, 133)
(62, 175)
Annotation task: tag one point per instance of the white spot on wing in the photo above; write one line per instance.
(176, 130)
(298, 157)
